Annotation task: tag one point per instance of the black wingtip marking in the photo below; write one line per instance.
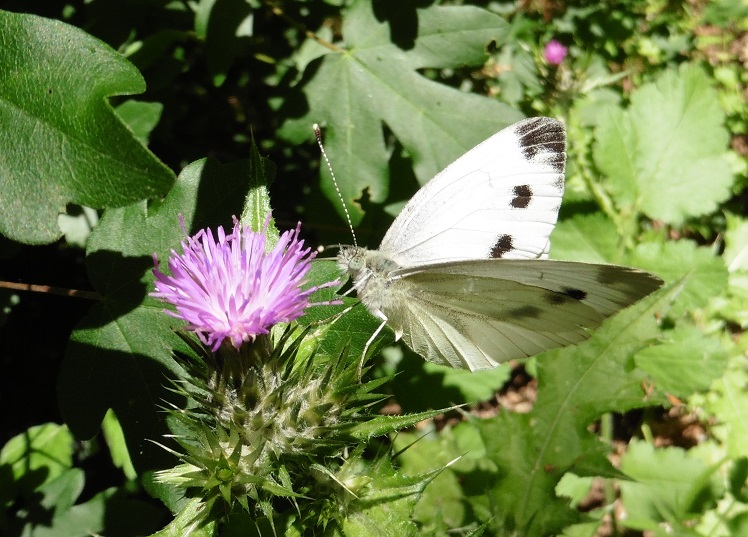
(546, 136)
(634, 282)
(503, 245)
(610, 276)
(522, 196)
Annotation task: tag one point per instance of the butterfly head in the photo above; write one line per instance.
(352, 260)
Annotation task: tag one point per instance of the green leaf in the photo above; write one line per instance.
(421, 385)
(443, 503)
(523, 500)
(386, 508)
(589, 109)
(576, 385)
(591, 238)
(669, 486)
(728, 403)
(705, 272)
(103, 514)
(472, 387)
(141, 117)
(379, 425)
(36, 456)
(257, 204)
(574, 487)
(738, 479)
(77, 224)
(372, 79)
(687, 362)
(672, 140)
(61, 141)
(61, 492)
(521, 75)
(120, 354)
(323, 271)
(39, 490)
(115, 439)
(347, 325)
(736, 243)
(185, 523)
(225, 25)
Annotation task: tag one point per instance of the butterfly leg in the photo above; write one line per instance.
(333, 318)
(366, 349)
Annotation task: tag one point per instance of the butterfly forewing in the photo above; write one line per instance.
(499, 200)
(462, 274)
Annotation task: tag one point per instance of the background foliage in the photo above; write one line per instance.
(117, 115)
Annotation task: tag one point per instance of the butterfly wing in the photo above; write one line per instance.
(478, 314)
(499, 200)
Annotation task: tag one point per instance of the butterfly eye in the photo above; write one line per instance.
(352, 260)
(356, 263)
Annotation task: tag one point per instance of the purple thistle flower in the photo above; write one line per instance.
(555, 52)
(231, 288)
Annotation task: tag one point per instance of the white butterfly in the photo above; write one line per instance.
(462, 275)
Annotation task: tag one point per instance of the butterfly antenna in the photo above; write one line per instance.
(318, 135)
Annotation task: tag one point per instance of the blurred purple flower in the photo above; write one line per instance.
(232, 288)
(555, 52)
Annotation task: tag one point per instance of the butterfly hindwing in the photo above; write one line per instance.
(477, 314)
(499, 200)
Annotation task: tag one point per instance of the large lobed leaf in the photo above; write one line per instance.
(61, 141)
(670, 485)
(664, 156)
(373, 79)
(120, 354)
(576, 386)
(44, 494)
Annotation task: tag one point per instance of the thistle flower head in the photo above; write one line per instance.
(276, 428)
(231, 288)
(555, 52)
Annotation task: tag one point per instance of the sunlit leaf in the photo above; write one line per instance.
(371, 80)
(61, 141)
(671, 140)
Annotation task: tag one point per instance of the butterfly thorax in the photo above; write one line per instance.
(372, 275)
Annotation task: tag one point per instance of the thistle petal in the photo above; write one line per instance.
(230, 288)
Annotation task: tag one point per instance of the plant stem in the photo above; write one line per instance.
(77, 293)
(278, 11)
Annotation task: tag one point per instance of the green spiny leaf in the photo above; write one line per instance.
(380, 425)
(257, 204)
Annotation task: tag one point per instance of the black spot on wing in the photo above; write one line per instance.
(522, 196)
(545, 137)
(503, 245)
(565, 295)
(576, 294)
(525, 312)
